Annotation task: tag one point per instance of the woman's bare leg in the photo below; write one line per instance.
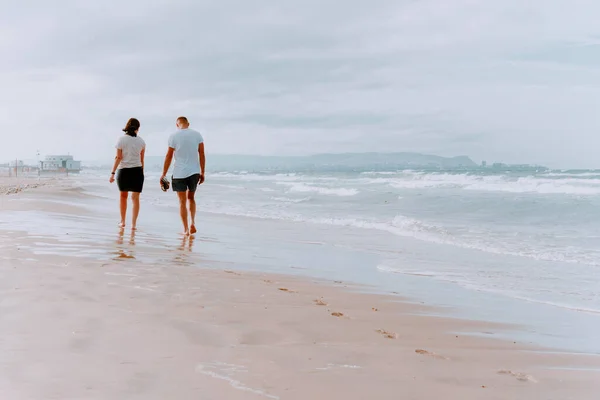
(135, 199)
(123, 207)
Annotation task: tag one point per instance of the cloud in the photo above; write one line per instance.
(496, 80)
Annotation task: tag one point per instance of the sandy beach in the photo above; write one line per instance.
(127, 328)
(16, 185)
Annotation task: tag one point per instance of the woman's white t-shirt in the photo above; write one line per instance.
(132, 147)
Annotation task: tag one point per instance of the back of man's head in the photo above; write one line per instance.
(182, 122)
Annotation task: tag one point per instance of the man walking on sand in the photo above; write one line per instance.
(187, 146)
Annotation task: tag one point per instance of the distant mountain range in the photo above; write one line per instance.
(345, 161)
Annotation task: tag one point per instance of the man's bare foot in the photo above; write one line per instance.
(193, 229)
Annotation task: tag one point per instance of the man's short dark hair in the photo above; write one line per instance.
(183, 120)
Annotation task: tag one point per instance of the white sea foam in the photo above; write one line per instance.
(581, 184)
(542, 186)
(387, 268)
(323, 190)
(413, 228)
(498, 284)
(379, 173)
(574, 174)
(256, 177)
(491, 183)
(288, 177)
(222, 371)
(290, 200)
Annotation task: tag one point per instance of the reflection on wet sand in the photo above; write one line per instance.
(187, 242)
(120, 236)
(183, 257)
(122, 252)
(132, 238)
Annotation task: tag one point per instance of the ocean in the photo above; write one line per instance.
(518, 247)
(547, 224)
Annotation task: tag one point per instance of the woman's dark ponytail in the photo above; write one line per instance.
(131, 127)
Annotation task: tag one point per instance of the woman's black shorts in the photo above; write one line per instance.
(130, 179)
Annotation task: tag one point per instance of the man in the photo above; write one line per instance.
(187, 146)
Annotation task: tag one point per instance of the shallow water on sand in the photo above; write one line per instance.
(87, 228)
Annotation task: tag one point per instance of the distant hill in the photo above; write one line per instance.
(393, 159)
(335, 162)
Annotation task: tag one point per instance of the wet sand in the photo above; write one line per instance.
(77, 328)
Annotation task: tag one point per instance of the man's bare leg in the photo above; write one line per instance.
(192, 205)
(123, 208)
(183, 211)
(135, 198)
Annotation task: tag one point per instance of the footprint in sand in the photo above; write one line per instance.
(320, 302)
(518, 375)
(267, 281)
(232, 272)
(429, 353)
(286, 290)
(387, 334)
(337, 314)
(374, 309)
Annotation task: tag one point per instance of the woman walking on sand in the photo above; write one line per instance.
(130, 175)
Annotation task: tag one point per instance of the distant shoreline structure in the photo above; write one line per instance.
(59, 163)
(51, 165)
(513, 167)
(341, 162)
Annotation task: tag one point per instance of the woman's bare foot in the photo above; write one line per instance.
(121, 224)
(134, 228)
(193, 229)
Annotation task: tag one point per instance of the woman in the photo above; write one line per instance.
(130, 176)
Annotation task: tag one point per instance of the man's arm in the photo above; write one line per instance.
(168, 159)
(202, 160)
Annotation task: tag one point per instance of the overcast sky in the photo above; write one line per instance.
(498, 80)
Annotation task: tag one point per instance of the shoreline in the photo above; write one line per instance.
(78, 213)
(126, 329)
(72, 217)
(179, 323)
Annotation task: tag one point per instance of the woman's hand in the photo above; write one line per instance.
(112, 178)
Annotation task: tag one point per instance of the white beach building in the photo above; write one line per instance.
(60, 163)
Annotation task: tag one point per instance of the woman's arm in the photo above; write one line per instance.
(118, 159)
(142, 153)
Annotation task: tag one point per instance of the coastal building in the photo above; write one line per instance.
(60, 163)
(519, 167)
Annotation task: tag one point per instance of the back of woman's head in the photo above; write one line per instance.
(132, 127)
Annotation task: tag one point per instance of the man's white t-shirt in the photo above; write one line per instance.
(131, 147)
(187, 162)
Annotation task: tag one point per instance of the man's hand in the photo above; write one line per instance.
(201, 179)
(164, 183)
